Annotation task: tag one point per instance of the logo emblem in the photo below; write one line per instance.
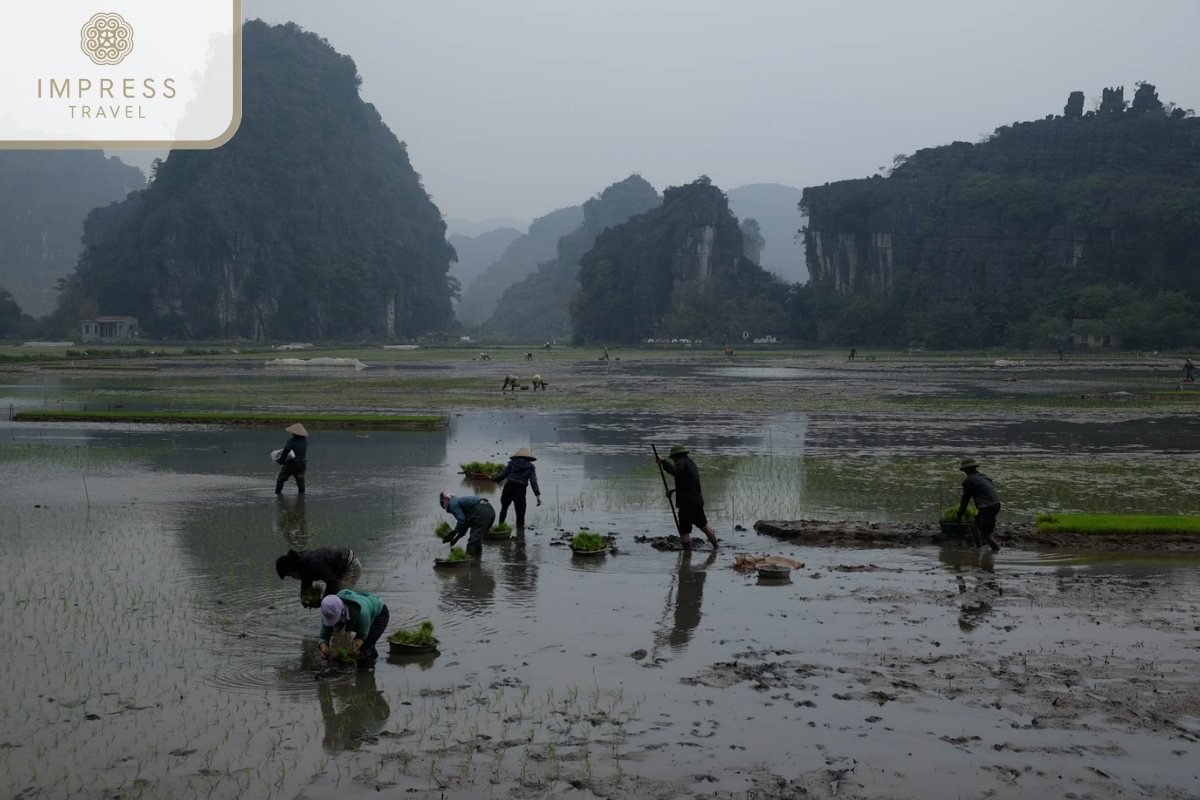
(106, 39)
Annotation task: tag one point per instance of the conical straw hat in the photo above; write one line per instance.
(524, 453)
(297, 429)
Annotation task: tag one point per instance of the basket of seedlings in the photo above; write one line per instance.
(589, 544)
(443, 530)
(413, 642)
(312, 596)
(499, 531)
(480, 471)
(458, 559)
(950, 524)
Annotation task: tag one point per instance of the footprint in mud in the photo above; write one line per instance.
(704, 729)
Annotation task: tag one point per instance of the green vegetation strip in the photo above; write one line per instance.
(1116, 523)
(408, 423)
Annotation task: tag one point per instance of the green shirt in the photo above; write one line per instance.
(363, 607)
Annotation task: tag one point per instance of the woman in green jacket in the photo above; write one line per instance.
(361, 613)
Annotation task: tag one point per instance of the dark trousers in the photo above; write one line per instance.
(292, 468)
(378, 626)
(479, 522)
(514, 495)
(985, 523)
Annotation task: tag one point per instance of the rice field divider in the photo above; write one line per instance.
(1118, 524)
(316, 422)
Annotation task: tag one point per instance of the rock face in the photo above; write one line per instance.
(1107, 197)
(44, 197)
(310, 223)
(538, 308)
(519, 260)
(678, 270)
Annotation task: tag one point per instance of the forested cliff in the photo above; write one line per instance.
(539, 306)
(310, 222)
(677, 270)
(44, 197)
(1077, 216)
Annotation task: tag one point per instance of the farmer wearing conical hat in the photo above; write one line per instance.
(293, 457)
(979, 487)
(688, 498)
(520, 473)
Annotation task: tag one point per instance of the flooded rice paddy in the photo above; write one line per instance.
(155, 653)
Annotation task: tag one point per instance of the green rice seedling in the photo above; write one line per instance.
(501, 527)
(950, 514)
(481, 467)
(311, 597)
(1130, 524)
(423, 634)
(458, 554)
(442, 530)
(588, 541)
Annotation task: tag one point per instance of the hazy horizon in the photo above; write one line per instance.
(513, 110)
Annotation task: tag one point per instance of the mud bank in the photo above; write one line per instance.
(1023, 535)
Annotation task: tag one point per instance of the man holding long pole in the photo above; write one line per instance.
(687, 494)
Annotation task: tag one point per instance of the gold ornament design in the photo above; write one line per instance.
(106, 38)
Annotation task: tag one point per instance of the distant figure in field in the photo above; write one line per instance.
(529, 356)
(1189, 371)
(605, 356)
(293, 458)
(510, 380)
(538, 383)
(729, 352)
(1060, 354)
(484, 357)
(979, 487)
(853, 353)
(546, 347)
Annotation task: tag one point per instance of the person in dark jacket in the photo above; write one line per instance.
(361, 613)
(979, 487)
(519, 474)
(337, 567)
(297, 464)
(511, 380)
(474, 515)
(688, 498)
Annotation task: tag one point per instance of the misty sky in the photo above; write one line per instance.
(512, 108)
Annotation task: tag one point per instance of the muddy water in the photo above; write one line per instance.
(155, 653)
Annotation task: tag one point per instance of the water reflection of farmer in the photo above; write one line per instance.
(471, 589)
(688, 598)
(519, 575)
(293, 520)
(337, 567)
(979, 487)
(293, 458)
(519, 475)
(352, 711)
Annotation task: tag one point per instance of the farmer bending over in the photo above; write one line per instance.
(363, 614)
(474, 515)
(337, 567)
(510, 380)
(979, 487)
(688, 498)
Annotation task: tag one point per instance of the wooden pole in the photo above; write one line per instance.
(662, 474)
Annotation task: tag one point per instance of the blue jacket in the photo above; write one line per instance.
(296, 444)
(522, 471)
(461, 508)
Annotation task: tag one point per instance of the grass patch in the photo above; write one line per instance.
(324, 421)
(1117, 523)
(423, 634)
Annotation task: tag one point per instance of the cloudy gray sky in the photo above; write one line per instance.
(512, 108)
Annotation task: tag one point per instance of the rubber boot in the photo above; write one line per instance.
(520, 531)
(475, 550)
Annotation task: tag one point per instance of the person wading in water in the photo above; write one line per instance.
(519, 473)
(979, 487)
(688, 497)
(297, 465)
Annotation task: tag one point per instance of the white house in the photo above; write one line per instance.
(109, 329)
